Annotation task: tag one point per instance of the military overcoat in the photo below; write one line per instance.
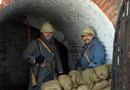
(46, 73)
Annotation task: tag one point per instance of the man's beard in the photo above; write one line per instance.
(88, 41)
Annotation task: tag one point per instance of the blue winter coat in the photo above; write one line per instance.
(96, 54)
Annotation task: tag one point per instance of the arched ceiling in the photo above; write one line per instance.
(69, 16)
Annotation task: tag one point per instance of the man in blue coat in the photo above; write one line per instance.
(93, 51)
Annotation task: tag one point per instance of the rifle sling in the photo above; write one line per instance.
(88, 56)
(51, 51)
(43, 43)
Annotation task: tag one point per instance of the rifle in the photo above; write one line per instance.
(33, 78)
(32, 74)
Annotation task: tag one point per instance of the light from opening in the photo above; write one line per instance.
(1, 1)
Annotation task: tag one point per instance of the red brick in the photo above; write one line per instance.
(99, 2)
(0, 8)
(111, 10)
(5, 1)
(114, 20)
(108, 6)
(113, 15)
(117, 1)
(0, 5)
(11, 0)
(94, 1)
(3, 5)
(114, 25)
(104, 4)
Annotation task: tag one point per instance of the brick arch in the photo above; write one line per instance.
(4, 3)
(109, 7)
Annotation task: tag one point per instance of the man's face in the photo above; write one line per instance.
(88, 38)
(47, 35)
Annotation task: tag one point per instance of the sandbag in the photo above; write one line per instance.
(110, 75)
(109, 69)
(65, 82)
(108, 88)
(82, 87)
(109, 82)
(102, 72)
(76, 78)
(100, 85)
(74, 89)
(51, 85)
(89, 76)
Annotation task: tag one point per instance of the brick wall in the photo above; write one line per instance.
(14, 71)
(110, 8)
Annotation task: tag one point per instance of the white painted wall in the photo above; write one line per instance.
(1, 1)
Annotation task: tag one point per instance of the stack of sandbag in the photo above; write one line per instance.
(104, 73)
(99, 78)
(72, 81)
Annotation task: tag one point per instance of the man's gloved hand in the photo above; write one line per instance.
(84, 67)
(75, 61)
(39, 59)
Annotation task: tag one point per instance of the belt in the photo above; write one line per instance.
(45, 64)
(49, 64)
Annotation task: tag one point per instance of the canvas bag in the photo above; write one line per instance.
(76, 78)
(102, 71)
(65, 82)
(100, 85)
(51, 85)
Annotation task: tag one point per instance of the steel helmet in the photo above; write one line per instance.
(87, 31)
(47, 27)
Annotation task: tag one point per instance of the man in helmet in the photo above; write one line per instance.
(41, 53)
(93, 51)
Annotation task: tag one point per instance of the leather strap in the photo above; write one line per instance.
(39, 43)
(53, 56)
(46, 46)
(51, 51)
(87, 56)
(52, 47)
(49, 64)
(89, 53)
